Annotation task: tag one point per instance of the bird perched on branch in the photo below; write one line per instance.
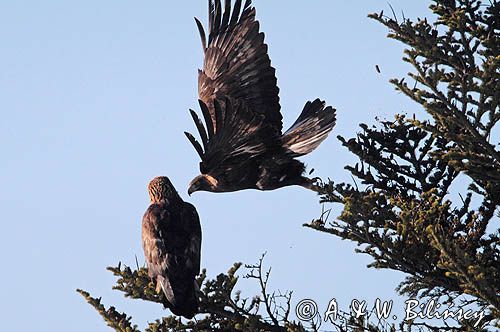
(171, 238)
(242, 144)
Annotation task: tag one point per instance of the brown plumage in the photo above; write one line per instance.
(242, 145)
(171, 239)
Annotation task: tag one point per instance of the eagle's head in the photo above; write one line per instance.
(161, 189)
(203, 182)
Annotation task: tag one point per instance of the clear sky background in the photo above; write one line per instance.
(94, 99)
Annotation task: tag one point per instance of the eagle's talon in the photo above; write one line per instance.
(317, 181)
(315, 184)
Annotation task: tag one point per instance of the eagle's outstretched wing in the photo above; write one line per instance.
(237, 136)
(236, 62)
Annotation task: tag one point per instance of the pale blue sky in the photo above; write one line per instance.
(94, 99)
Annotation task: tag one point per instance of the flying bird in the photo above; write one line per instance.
(171, 239)
(242, 144)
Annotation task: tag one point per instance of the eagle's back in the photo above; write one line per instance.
(171, 238)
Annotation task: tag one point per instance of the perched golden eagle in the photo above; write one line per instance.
(171, 238)
(242, 142)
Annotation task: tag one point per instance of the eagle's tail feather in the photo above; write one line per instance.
(166, 288)
(310, 129)
(184, 302)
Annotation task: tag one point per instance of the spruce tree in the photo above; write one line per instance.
(403, 214)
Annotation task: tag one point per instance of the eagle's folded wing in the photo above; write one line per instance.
(153, 242)
(193, 249)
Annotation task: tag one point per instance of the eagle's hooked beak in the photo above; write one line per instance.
(202, 182)
(192, 188)
(195, 184)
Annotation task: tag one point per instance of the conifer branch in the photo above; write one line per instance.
(403, 215)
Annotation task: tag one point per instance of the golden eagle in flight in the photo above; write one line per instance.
(171, 238)
(243, 146)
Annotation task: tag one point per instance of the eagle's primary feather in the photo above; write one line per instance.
(236, 62)
(171, 239)
(242, 142)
